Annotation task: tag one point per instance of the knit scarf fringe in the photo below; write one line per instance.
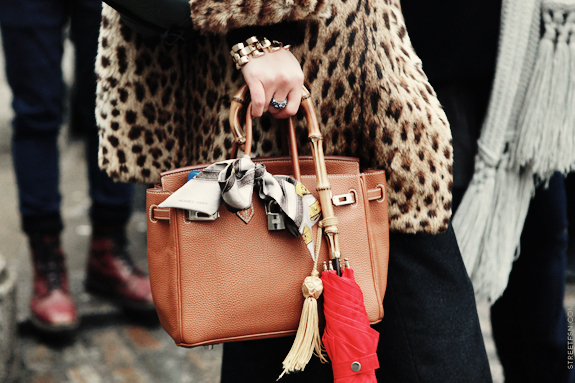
(513, 189)
(545, 129)
(476, 203)
(528, 134)
(490, 219)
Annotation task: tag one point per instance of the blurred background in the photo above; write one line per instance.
(111, 345)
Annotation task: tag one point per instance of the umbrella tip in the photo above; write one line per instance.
(346, 260)
(324, 266)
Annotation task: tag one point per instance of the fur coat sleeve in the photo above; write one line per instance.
(223, 16)
(160, 107)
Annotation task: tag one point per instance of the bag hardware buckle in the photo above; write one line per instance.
(343, 199)
(275, 216)
(194, 215)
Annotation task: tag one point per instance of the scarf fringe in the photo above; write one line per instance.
(557, 139)
(533, 114)
(499, 245)
(472, 216)
(545, 127)
(529, 133)
(569, 131)
(477, 218)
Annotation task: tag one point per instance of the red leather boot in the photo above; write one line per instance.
(113, 274)
(51, 307)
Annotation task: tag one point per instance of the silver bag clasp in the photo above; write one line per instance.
(198, 216)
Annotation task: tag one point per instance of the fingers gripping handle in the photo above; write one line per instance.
(244, 140)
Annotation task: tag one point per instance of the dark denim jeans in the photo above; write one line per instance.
(529, 321)
(430, 332)
(32, 35)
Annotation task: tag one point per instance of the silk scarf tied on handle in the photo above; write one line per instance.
(233, 182)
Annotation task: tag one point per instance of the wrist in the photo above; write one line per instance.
(254, 47)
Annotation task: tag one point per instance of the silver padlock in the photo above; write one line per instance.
(275, 216)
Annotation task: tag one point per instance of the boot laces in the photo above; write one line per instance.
(122, 254)
(50, 264)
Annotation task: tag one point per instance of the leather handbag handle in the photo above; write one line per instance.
(244, 140)
(323, 186)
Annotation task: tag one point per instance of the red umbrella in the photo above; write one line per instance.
(348, 338)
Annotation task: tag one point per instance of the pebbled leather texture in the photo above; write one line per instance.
(225, 280)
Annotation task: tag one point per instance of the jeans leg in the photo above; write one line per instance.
(430, 332)
(260, 361)
(85, 18)
(33, 68)
(529, 321)
(111, 201)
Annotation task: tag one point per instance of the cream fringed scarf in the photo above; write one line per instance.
(528, 134)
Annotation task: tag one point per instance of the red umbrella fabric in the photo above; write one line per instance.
(348, 338)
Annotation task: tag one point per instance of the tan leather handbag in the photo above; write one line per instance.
(230, 278)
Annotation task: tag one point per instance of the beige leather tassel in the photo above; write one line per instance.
(308, 339)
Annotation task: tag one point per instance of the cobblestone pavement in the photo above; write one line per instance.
(111, 345)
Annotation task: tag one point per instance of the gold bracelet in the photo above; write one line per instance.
(254, 47)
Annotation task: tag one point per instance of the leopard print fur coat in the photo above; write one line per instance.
(162, 106)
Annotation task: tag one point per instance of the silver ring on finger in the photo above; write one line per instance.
(277, 104)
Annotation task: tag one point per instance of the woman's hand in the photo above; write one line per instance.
(278, 75)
